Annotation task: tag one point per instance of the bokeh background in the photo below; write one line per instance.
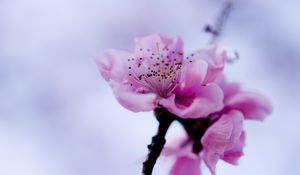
(59, 117)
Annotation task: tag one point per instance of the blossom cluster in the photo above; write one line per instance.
(193, 87)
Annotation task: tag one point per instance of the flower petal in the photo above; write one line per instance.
(253, 106)
(113, 66)
(211, 160)
(192, 77)
(220, 136)
(215, 57)
(131, 100)
(229, 89)
(235, 150)
(207, 100)
(186, 166)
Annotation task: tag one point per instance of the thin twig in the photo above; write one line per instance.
(222, 18)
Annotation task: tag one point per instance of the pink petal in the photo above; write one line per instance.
(186, 166)
(235, 151)
(220, 136)
(131, 100)
(229, 89)
(215, 58)
(192, 77)
(211, 159)
(207, 100)
(252, 105)
(113, 66)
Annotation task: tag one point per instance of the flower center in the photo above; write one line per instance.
(158, 71)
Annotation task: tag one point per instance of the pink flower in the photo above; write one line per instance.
(212, 111)
(224, 137)
(157, 74)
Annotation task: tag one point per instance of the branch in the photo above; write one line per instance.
(217, 30)
(195, 129)
(165, 118)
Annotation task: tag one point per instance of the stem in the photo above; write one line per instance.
(217, 30)
(195, 128)
(165, 118)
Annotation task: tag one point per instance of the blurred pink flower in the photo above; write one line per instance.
(224, 137)
(186, 165)
(157, 74)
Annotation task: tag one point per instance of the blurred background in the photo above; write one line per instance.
(59, 117)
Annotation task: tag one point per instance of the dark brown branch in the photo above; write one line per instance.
(218, 27)
(165, 118)
(195, 129)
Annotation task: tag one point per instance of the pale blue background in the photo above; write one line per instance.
(59, 117)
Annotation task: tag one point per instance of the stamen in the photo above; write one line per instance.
(159, 75)
(159, 56)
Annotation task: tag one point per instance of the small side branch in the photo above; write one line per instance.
(217, 29)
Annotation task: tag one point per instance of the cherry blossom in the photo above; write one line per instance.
(158, 74)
